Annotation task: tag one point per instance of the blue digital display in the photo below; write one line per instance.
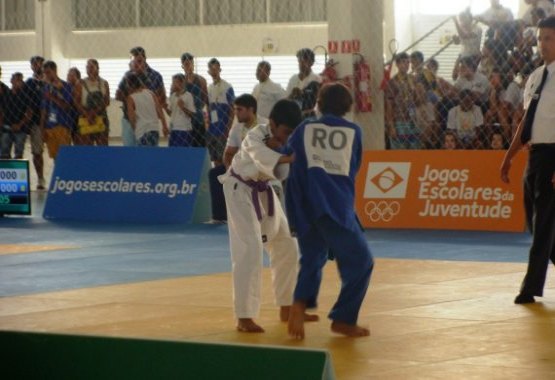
(14, 187)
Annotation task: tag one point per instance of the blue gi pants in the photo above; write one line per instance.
(354, 261)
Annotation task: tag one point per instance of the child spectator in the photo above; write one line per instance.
(497, 141)
(450, 141)
(181, 109)
(145, 112)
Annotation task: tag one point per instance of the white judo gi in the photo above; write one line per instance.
(252, 228)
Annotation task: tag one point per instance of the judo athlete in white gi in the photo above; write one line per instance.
(256, 219)
(320, 198)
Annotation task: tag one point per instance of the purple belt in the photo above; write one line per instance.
(258, 187)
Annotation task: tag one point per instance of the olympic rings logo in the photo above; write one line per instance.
(382, 210)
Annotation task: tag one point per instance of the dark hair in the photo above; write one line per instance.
(93, 61)
(187, 57)
(50, 65)
(417, 55)
(213, 61)
(286, 112)
(548, 22)
(539, 13)
(17, 75)
(138, 50)
(401, 56)
(454, 135)
(307, 54)
(36, 58)
(335, 99)
(433, 62)
(469, 62)
(179, 77)
(76, 71)
(465, 93)
(133, 81)
(247, 101)
(265, 64)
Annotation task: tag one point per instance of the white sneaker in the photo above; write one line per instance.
(216, 221)
(42, 184)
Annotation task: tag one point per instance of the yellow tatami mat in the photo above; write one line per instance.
(428, 319)
(12, 249)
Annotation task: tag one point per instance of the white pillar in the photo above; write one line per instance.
(361, 20)
(53, 26)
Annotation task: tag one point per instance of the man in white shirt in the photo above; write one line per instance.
(266, 92)
(537, 130)
(303, 87)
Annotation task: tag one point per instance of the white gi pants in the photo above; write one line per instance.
(246, 235)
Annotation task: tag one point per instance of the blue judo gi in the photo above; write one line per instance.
(320, 208)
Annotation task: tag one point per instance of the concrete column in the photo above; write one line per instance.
(361, 20)
(54, 25)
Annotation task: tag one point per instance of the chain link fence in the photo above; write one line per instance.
(472, 101)
(476, 103)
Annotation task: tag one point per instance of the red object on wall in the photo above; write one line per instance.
(346, 46)
(333, 47)
(363, 97)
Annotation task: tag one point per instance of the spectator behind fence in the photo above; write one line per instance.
(497, 140)
(14, 117)
(266, 92)
(150, 78)
(34, 88)
(424, 100)
(470, 79)
(73, 77)
(181, 109)
(495, 17)
(145, 112)
(400, 107)
(487, 61)
(497, 111)
(530, 17)
(4, 93)
(196, 85)
(92, 99)
(469, 35)
(56, 117)
(303, 87)
(467, 121)
(221, 97)
(450, 141)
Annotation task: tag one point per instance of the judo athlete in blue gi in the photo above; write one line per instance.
(256, 219)
(320, 197)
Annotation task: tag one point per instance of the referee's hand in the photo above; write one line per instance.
(505, 168)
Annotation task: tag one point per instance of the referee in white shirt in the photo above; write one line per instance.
(538, 130)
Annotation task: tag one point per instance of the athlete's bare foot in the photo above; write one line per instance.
(247, 325)
(295, 326)
(284, 312)
(353, 331)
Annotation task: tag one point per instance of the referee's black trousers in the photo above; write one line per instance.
(539, 202)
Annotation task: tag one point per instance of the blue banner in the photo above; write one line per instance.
(125, 184)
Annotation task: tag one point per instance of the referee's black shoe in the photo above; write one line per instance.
(524, 298)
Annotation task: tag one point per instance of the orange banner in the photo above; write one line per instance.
(457, 190)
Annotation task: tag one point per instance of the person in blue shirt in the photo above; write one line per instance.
(320, 208)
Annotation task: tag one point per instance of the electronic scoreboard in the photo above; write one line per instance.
(15, 196)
